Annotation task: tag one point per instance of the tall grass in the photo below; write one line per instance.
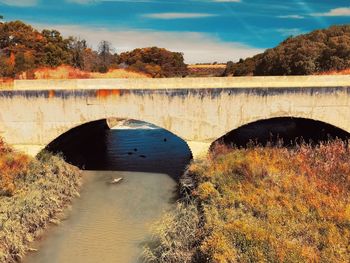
(265, 204)
(33, 193)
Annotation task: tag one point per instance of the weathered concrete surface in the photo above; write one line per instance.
(186, 83)
(31, 118)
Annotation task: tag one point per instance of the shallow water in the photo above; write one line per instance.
(111, 222)
(108, 223)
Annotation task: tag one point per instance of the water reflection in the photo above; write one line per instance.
(138, 147)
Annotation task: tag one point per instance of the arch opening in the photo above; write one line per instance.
(123, 145)
(285, 131)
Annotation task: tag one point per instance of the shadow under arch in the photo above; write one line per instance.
(288, 131)
(143, 148)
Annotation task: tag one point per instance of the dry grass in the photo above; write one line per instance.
(33, 193)
(175, 236)
(68, 72)
(271, 204)
(6, 83)
(119, 73)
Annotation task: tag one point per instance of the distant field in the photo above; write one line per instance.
(68, 72)
(222, 66)
(206, 70)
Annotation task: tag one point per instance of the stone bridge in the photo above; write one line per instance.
(199, 110)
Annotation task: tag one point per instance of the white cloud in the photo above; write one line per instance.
(291, 16)
(197, 47)
(289, 31)
(342, 11)
(177, 15)
(20, 3)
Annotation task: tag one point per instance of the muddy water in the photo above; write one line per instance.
(110, 222)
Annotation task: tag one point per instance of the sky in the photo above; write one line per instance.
(204, 30)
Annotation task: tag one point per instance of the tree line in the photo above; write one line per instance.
(312, 53)
(24, 49)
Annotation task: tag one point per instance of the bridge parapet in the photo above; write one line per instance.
(187, 83)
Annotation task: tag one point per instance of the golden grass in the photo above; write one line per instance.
(6, 83)
(119, 73)
(339, 72)
(270, 204)
(33, 193)
(68, 72)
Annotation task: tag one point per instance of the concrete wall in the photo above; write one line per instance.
(32, 118)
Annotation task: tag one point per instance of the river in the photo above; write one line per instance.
(111, 222)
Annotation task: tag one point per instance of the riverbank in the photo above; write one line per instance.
(263, 204)
(33, 194)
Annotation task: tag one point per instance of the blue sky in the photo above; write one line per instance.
(204, 30)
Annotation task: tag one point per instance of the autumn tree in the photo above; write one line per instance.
(107, 56)
(77, 49)
(56, 49)
(158, 62)
(91, 60)
(316, 52)
(19, 43)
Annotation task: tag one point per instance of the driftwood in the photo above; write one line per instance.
(116, 180)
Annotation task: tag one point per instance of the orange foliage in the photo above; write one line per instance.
(6, 83)
(12, 165)
(273, 204)
(12, 59)
(340, 72)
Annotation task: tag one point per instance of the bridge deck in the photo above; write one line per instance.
(186, 83)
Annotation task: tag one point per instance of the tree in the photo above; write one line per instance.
(318, 51)
(158, 62)
(56, 49)
(77, 49)
(91, 60)
(105, 51)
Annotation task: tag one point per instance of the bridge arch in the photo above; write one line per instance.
(90, 145)
(286, 129)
